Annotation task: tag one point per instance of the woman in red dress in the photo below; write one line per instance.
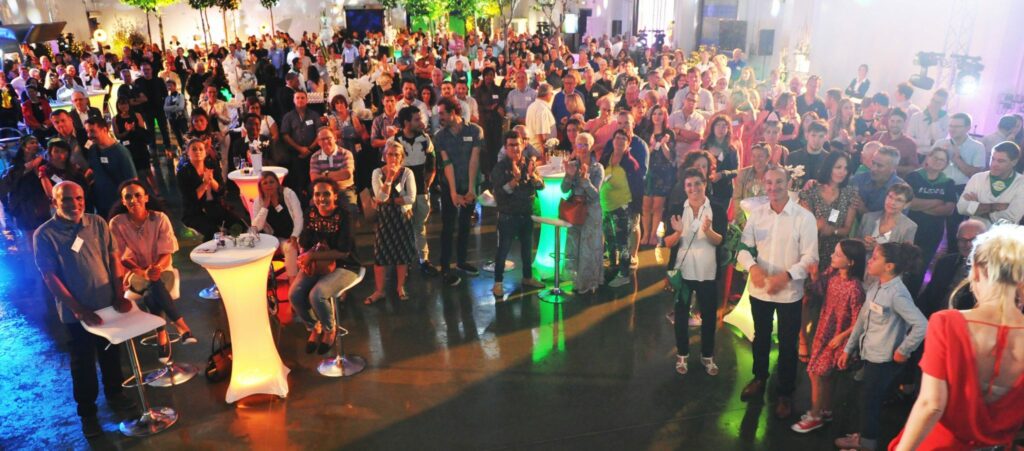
(972, 389)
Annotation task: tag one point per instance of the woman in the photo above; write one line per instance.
(934, 199)
(267, 125)
(318, 86)
(351, 134)
(26, 200)
(199, 130)
(328, 255)
(889, 225)
(971, 391)
(661, 171)
(144, 243)
(789, 119)
(698, 233)
(10, 105)
(394, 191)
(585, 243)
(841, 126)
(58, 168)
(279, 213)
(747, 80)
(130, 129)
(719, 144)
(831, 199)
(427, 97)
(750, 180)
(202, 192)
(616, 195)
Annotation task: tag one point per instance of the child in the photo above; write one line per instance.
(881, 337)
(843, 295)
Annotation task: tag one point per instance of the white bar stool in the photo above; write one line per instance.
(343, 365)
(555, 295)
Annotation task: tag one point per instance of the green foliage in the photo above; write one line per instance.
(273, 3)
(125, 33)
(201, 4)
(227, 5)
(149, 5)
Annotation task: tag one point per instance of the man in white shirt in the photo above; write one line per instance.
(785, 236)
(967, 157)
(460, 56)
(931, 125)
(519, 99)
(409, 99)
(540, 122)
(996, 194)
(705, 102)
(901, 100)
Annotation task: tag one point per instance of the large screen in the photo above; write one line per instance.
(364, 20)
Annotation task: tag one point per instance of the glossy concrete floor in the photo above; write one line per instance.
(449, 369)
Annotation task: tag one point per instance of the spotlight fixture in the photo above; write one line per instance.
(925, 60)
(968, 74)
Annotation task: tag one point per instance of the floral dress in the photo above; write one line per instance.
(823, 210)
(843, 299)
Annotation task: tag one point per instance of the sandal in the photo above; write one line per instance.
(373, 299)
(805, 356)
(402, 295)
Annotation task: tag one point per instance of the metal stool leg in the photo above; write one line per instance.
(176, 374)
(153, 420)
(341, 365)
(555, 295)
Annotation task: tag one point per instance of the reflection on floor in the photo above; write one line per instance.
(449, 369)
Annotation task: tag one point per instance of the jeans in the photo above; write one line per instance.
(877, 379)
(158, 118)
(511, 227)
(707, 295)
(449, 215)
(313, 297)
(953, 221)
(157, 298)
(87, 349)
(420, 213)
(617, 228)
(789, 332)
(179, 125)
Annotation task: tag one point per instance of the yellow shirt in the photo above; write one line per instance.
(615, 192)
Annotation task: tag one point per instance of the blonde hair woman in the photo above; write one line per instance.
(971, 390)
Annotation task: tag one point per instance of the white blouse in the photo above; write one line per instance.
(291, 201)
(699, 262)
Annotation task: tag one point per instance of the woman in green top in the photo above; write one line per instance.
(615, 198)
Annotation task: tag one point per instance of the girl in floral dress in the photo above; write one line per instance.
(840, 287)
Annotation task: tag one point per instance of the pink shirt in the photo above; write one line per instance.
(143, 245)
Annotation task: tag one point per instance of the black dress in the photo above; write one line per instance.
(395, 240)
(136, 141)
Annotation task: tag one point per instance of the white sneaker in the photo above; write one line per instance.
(634, 262)
(709, 365)
(619, 281)
(681, 364)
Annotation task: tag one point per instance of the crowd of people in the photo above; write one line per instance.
(828, 211)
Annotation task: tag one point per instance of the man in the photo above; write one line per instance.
(950, 270)
(458, 145)
(335, 163)
(421, 159)
(894, 137)
(458, 56)
(785, 237)
(873, 185)
(516, 182)
(558, 106)
(462, 93)
(74, 252)
(130, 91)
(76, 138)
(82, 111)
(174, 110)
(859, 86)
(519, 99)
(383, 126)
(901, 100)
(967, 156)
(409, 98)
(814, 154)
(299, 131)
(931, 125)
(705, 102)
(1007, 128)
(195, 82)
(286, 95)
(249, 139)
(736, 64)
(447, 91)
(406, 63)
(540, 122)
(832, 98)
(155, 91)
(810, 101)
(688, 125)
(349, 57)
(873, 109)
(593, 88)
(110, 162)
(490, 98)
(996, 194)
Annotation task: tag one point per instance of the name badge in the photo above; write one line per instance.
(104, 160)
(467, 139)
(875, 308)
(595, 94)
(126, 143)
(494, 96)
(309, 122)
(278, 208)
(833, 216)
(882, 239)
(77, 245)
(323, 157)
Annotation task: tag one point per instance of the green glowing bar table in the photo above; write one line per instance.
(549, 197)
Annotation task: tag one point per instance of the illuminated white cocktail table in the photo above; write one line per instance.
(241, 275)
(249, 183)
(550, 197)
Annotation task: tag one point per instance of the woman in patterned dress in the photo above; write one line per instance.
(840, 287)
(585, 243)
(394, 189)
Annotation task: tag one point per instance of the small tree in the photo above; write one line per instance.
(270, 4)
(225, 6)
(151, 6)
(204, 20)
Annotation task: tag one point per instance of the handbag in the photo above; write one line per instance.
(573, 209)
(218, 366)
